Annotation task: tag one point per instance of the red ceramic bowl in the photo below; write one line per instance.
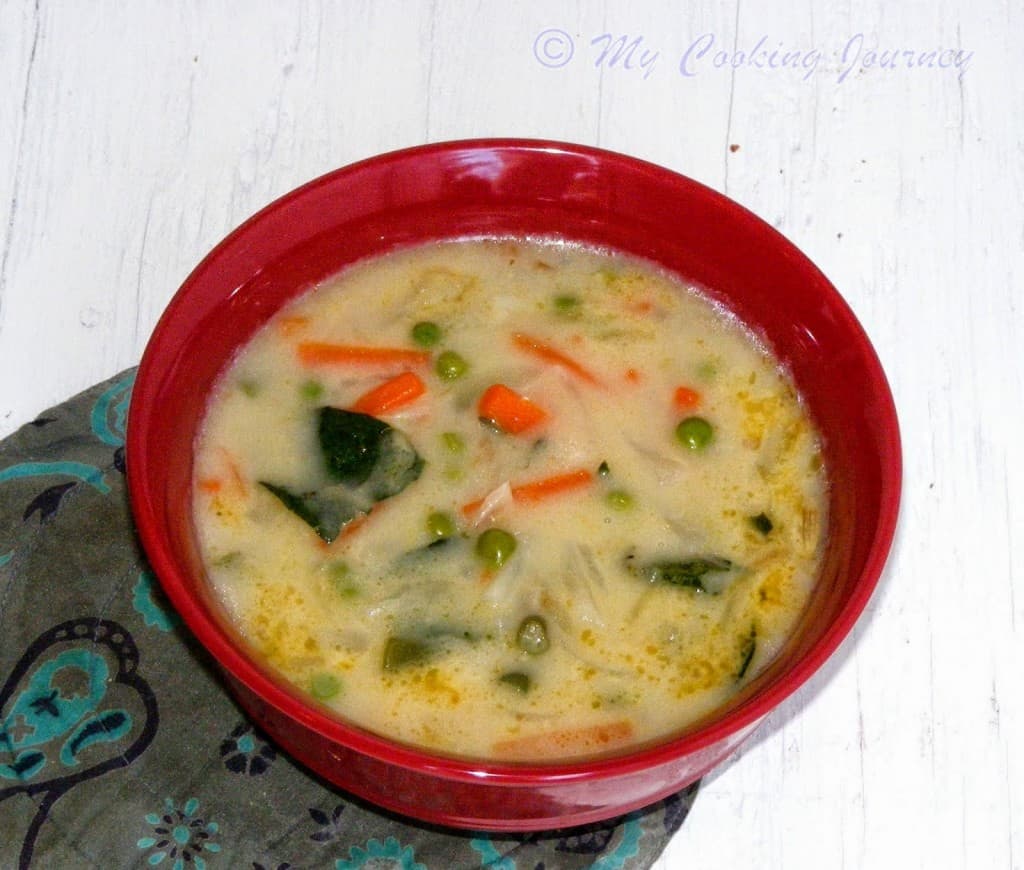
(514, 187)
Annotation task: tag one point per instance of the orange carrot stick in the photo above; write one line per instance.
(324, 353)
(686, 399)
(391, 395)
(570, 741)
(549, 486)
(538, 490)
(350, 529)
(508, 410)
(546, 353)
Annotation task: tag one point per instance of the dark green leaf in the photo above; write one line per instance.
(747, 652)
(396, 466)
(351, 444)
(689, 573)
(371, 462)
(418, 644)
(434, 553)
(402, 651)
(327, 511)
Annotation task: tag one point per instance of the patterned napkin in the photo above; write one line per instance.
(119, 746)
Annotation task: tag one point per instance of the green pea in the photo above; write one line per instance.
(311, 390)
(694, 433)
(440, 524)
(340, 579)
(324, 686)
(426, 333)
(495, 546)
(450, 366)
(619, 500)
(517, 680)
(532, 636)
(707, 370)
(453, 442)
(567, 305)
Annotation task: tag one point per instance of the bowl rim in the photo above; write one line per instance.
(240, 667)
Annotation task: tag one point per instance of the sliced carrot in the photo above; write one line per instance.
(567, 742)
(508, 410)
(324, 353)
(546, 353)
(686, 399)
(391, 395)
(538, 490)
(288, 326)
(238, 482)
(351, 528)
(347, 531)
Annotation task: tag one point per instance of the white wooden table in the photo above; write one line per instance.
(133, 136)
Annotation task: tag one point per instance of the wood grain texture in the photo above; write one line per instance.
(134, 136)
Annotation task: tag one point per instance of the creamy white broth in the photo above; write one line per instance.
(427, 645)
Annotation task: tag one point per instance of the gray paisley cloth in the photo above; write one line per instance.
(119, 746)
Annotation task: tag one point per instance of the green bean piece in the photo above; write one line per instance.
(402, 651)
(619, 500)
(695, 433)
(495, 547)
(453, 442)
(426, 333)
(450, 366)
(762, 522)
(532, 636)
(324, 686)
(440, 525)
(311, 390)
(517, 680)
